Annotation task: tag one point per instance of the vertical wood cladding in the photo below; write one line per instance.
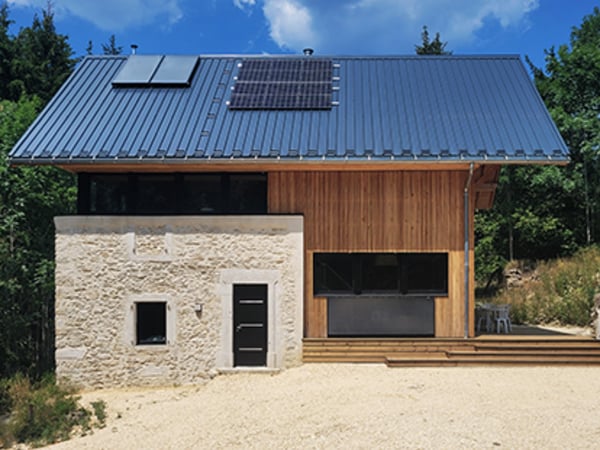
(413, 211)
(374, 211)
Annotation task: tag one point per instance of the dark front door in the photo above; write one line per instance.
(250, 325)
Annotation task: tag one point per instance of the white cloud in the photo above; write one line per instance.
(291, 24)
(384, 26)
(243, 4)
(113, 15)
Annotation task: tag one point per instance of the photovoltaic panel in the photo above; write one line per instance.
(303, 83)
(175, 70)
(138, 69)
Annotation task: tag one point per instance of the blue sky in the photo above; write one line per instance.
(524, 27)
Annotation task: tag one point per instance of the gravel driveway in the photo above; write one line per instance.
(360, 406)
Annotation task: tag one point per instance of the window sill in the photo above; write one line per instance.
(153, 348)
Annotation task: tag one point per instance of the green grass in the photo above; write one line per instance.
(562, 292)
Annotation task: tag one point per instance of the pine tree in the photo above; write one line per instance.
(45, 59)
(6, 50)
(435, 47)
(111, 48)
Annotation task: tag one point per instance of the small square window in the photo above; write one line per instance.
(151, 323)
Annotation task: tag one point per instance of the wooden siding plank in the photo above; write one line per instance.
(317, 323)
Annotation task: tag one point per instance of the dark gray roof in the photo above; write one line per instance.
(406, 108)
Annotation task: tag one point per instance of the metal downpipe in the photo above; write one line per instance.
(467, 208)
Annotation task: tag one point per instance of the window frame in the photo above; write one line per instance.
(359, 269)
(138, 326)
(130, 316)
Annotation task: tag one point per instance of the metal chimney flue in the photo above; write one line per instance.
(308, 51)
(134, 48)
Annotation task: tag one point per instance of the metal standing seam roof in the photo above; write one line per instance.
(401, 108)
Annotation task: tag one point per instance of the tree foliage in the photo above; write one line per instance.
(30, 197)
(544, 212)
(570, 87)
(429, 47)
(42, 60)
(111, 47)
(6, 50)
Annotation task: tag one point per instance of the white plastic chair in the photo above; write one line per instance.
(484, 317)
(502, 318)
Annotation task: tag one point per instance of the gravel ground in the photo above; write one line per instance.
(359, 406)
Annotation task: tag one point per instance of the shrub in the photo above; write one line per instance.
(4, 397)
(44, 412)
(562, 293)
(99, 408)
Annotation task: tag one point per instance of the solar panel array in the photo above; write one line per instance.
(149, 70)
(303, 83)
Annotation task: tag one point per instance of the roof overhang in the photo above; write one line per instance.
(278, 164)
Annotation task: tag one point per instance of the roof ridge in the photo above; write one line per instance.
(329, 56)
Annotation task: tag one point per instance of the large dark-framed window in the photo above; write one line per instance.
(172, 193)
(380, 273)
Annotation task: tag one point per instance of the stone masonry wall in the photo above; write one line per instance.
(106, 264)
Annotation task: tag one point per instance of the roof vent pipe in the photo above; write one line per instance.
(134, 48)
(308, 51)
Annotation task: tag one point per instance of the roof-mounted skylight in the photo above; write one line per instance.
(270, 83)
(156, 70)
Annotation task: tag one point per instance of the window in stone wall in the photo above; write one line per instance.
(151, 323)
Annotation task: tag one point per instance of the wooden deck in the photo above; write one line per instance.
(482, 350)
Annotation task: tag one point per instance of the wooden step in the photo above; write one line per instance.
(477, 360)
(524, 354)
(540, 349)
(431, 351)
(366, 357)
(539, 346)
(394, 363)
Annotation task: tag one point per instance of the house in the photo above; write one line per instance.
(231, 206)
